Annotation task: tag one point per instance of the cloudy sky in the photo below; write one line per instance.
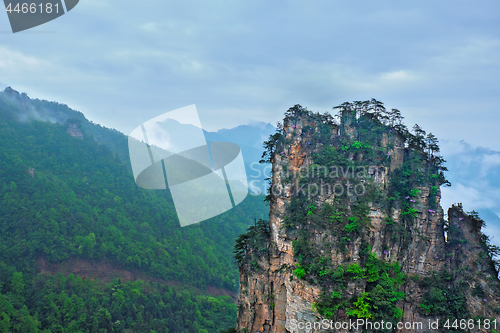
(122, 63)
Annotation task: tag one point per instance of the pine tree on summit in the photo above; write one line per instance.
(432, 144)
(395, 117)
(417, 140)
(378, 110)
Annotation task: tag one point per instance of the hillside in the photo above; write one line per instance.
(112, 256)
(356, 233)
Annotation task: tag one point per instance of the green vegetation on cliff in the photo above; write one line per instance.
(341, 177)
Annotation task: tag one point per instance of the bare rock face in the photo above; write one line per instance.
(279, 288)
(73, 127)
(74, 131)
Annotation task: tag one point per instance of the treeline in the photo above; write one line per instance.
(376, 111)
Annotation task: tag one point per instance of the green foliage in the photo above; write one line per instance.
(82, 202)
(434, 190)
(270, 147)
(229, 330)
(254, 243)
(433, 204)
(444, 302)
(363, 125)
(398, 314)
(355, 271)
(311, 210)
(357, 146)
(302, 250)
(383, 282)
(297, 212)
(360, 211)
(300, 272)
(475, 216)
(442, 297)
(417, 171)
(338, 275)
(330, 156)
(90, 305)
(337, 216)
(411, 212)
(361, 308)
(328, 304)
(353, 226)
(414, 192)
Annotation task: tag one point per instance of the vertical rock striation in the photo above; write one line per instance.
(375, 250)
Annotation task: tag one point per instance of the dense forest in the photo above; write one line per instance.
(74, 198)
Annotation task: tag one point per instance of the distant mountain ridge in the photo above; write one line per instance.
(253, 134)
(21, 107)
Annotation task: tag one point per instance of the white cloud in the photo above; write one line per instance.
(255, 59)
(469, 196)
(453, 147)
(472, 172)
(398, 77)
(472, 51)
(12, 61)
(489, 162)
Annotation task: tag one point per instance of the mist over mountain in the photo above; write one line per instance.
(20, 107)
(17, 106)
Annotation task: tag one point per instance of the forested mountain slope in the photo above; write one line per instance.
(70, 196)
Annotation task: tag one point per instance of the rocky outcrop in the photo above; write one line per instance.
(73, 127)
(74, 131)
(275, 295)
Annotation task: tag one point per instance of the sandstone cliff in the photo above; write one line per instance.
(356, 232)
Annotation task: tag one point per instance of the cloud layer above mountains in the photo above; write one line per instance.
(239, 61)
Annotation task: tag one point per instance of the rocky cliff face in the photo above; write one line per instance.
(356, 232)
(74, 130)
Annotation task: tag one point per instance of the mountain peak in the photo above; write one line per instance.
(356, 230)
(9, 90)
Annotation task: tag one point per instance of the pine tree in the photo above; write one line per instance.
(417, 140)
(432, 144)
